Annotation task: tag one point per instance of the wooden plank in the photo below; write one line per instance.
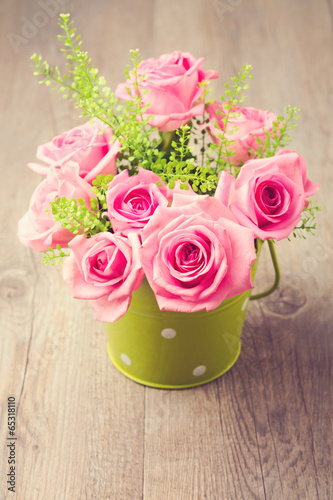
(201, 443)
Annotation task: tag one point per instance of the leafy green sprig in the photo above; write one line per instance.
(81, 84)
(75, 216)
(279, 136)
(89, 92)
(181, 167)
(100, 187)
(307, 225)
(181, 149)
(54, 256)
(233, 97)
(202, 179)
(79, 218)
(139, 146)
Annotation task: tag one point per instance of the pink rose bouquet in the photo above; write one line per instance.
(138, 192)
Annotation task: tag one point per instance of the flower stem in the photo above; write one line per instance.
(277, 274)
(167, 137)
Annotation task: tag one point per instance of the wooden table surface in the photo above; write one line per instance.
(84, 431)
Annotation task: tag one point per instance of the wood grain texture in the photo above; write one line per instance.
(264, 429)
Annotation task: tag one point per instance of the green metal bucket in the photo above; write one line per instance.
(174, 350)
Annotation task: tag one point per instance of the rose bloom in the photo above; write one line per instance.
(174, 95)
(132, 200)
(37, 228)
(106, 269)
(269, 194)
(243, 127)
(86, 145)
(195, 255)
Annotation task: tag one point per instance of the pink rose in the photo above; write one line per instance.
(247, 124)
(37, 228)
(86, 145)
(132, 200)
(196, 255)
(174, 95)
(106, 269)
(269, 194)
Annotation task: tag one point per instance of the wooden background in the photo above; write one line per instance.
(263, 430)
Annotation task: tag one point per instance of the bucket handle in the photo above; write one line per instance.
(277, 274)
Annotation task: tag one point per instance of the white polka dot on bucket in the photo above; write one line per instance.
(199, 370)
(168, 333)
(245, 303)
(125, 359)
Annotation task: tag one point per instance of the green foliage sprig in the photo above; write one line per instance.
(307, 225)
(81, 84)
(279, 137)
(234, 96)
(181, 167)
(100, 187)
(181, 149)
(75, 216)
(201, 179)
(54, 256)
(139, 146)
